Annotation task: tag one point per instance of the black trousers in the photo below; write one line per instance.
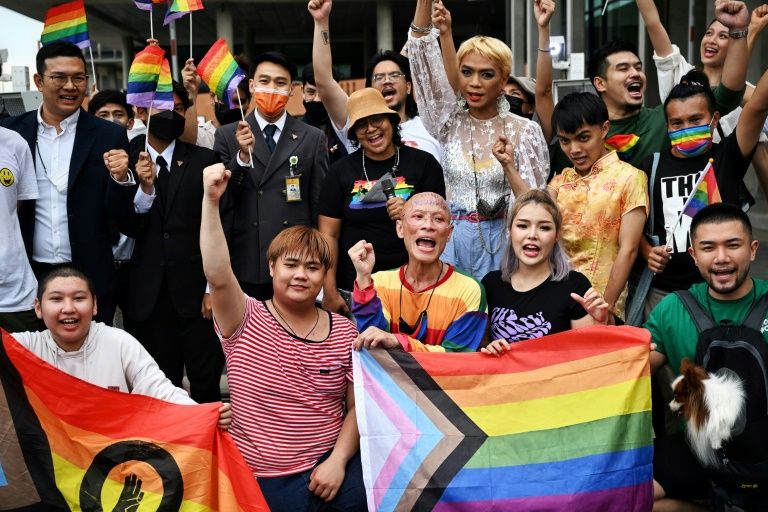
(176, 342)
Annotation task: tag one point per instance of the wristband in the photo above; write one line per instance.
(421, 30)
(738, 34)
(545, 50)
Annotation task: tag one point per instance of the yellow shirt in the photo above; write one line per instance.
(592, 207)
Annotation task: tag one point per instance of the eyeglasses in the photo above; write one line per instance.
(60, 79)
(394, 76)
(418, 219)
(375, 120)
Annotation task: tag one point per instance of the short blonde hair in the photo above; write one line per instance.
(492, 49)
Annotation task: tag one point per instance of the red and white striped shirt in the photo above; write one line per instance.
(288, 393)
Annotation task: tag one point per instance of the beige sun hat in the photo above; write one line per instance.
(526, 83)
(366, 102)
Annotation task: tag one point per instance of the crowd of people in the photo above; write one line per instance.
(446, 206)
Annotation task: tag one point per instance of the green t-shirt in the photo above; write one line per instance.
(673, 330)
(649, 128)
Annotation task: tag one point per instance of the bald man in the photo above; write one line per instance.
(425, 305)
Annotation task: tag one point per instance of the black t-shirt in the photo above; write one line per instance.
(546, 309)
(675, 178)
(342, 198)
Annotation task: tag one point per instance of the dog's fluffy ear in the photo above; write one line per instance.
(693, 374)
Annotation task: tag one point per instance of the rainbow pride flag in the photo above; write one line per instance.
(74, 446)
(622, 143)
(144, 5)
(144, 75)
(558, 423)
(164, 92)
(220, 71)
(66, 22)
(704, 193)
(179, 8)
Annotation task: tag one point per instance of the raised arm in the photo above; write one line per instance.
(191, 81)
(227, 298)
(753, 117)
(757, 22)
(656, 31)
(441, 19)
(735, 16)
(543, 11)
(332, 95)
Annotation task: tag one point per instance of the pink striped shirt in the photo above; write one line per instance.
(288, 393)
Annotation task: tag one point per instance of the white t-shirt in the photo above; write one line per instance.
(412, 132)
(17, 183)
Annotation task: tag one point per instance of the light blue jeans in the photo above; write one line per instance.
(467, 252)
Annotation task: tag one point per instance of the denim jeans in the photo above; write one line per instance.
(291, 493)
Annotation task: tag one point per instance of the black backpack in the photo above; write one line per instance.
(743, 460)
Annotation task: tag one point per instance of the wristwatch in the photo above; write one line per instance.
(738, 34)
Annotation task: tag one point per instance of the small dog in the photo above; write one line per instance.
(712, 405)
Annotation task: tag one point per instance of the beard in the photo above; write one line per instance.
(741, 275)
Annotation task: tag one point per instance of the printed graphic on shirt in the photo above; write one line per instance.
(6, 177)
(675, 190)
(361, 187)
(506, 324)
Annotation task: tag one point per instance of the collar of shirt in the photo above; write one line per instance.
(167, 154)
(65, 124)
(280, 123)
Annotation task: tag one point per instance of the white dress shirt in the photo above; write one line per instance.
(279, 124)
(53, 152)
(142, 201)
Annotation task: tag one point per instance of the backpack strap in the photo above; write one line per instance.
(756, 315)
(651, 185)
(698, 314)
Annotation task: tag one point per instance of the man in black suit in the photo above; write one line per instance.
(166, 308)
(278, 165)
(81, 165)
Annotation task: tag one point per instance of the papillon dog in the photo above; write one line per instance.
(711, 404)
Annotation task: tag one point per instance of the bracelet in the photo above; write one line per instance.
(545, 50)
(738, 34)
(421, 30)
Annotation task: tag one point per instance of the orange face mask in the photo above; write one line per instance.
(270, 101)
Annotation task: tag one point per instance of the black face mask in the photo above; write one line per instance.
(516, 106)
(166, 125)
(226, 115)
(316, 112)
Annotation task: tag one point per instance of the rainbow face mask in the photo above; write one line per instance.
(692, 141)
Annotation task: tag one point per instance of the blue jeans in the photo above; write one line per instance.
(465, 251)
(291, 493)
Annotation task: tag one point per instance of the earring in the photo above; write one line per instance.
(502, 105)
(461, 102)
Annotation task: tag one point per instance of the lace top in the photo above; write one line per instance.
(467, 141)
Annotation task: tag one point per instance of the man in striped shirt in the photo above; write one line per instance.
(289, 367)
(426, 305)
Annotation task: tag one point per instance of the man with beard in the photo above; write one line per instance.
(722, 246)
(82, 174)
(317, 116)
(616, 72)
(389, 72)
(166, 306)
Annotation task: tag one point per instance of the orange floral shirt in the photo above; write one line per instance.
(592, 207)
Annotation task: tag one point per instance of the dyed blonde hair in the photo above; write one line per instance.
(558, 259)
(492, 49)
(300, 241)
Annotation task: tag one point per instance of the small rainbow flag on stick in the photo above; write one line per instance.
(144, 5)
(164, 92)
(220, 71)
(558, 423)
(144, 75)
(66, 22)
(705, 193)
(179, 8)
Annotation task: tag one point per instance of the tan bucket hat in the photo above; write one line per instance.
(364, 103)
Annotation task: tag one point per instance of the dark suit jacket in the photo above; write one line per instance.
(259, 207)
(168, 237)
(93, 198)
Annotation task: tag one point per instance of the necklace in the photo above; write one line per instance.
(61, 189)
(405, 327)
(306, 336)
(394, 168)
(482, 204)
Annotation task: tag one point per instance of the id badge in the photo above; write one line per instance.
(292, 189)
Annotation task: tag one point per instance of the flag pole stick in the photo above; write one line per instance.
(605, 7)
(146, 139)
(190, 34)
(93, 67)
(151, 26)
(242, 114)
(670, 229)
